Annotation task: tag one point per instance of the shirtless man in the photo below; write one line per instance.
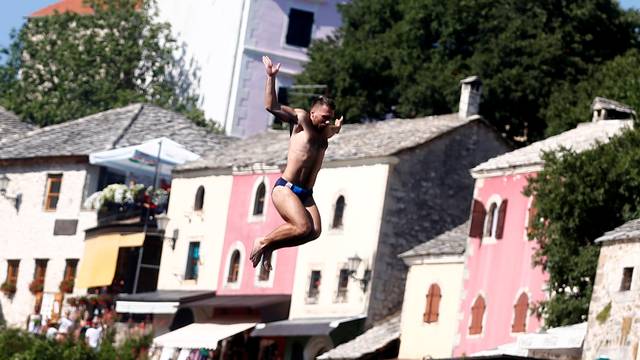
(292, 194)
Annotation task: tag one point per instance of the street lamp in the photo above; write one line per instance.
(353, 265)
(162, 221)
(4, 184)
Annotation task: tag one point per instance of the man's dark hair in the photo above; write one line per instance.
(323, 100)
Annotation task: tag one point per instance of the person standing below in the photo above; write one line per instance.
(292, 194)
(94, 334)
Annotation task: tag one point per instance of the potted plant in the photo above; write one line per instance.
(105, 300)
(36, 286)
(8, 288)
(66, 286)
(73, 302)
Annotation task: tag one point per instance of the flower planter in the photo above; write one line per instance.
(66, 286)
(9, 289)
(36, 286)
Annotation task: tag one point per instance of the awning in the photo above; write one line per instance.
(301, 327)
(159, 301)
(98, 264)
(369, 342)
(144, 157)
(564, 337)
(197, 336)
(241, 301)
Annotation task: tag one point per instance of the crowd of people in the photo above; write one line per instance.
(79, 325)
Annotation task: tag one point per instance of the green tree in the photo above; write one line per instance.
(617, 79)
(580, 196)
(405, 57)
(65, 66)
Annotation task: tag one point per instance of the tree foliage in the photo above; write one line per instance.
(617, 79)
(65, 66)
(405, 57)
(580, 196)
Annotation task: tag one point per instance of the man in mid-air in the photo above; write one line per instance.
(292, 194)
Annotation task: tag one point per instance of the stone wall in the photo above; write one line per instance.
(28, 233)
(614, 333)
(429, 192)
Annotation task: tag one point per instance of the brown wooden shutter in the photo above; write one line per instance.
(478, 214)
(501, 218)
(520, 314)
(434, 309)
(477, 313)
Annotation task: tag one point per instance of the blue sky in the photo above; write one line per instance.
(14, 12)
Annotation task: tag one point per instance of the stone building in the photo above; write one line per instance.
(48, 176)
(432, 294)
(384, 188)
(613, 330)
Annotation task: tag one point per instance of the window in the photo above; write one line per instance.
(12, 271)
(477, 313)
(263, 275)
(532, 217)
(37, 285)
(520, 314)
(432, 309)
(314, 284)
(627, 276)
(343, 283)
(69, 276)
(199, 203)
(234, 267)
(283, 95)
(299, 30)
(491, 220)
(338, 213)
(193, 258)
(258, 203)
(54, 181)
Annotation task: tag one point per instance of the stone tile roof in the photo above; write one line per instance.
(355, 141)
(10, 124)
(129, 125)
(368, 342)
(583, 137)
(629, 230)
(452, 242)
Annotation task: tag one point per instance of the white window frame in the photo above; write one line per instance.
(267, 197)
(240, 247)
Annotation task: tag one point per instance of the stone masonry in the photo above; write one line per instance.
(429, 192)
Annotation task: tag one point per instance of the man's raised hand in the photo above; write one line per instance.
(271, 69)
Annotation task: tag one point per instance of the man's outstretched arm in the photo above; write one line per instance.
(334, 128)
(282, 112)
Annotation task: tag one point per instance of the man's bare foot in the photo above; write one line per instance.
(257, 251)
(266, 260)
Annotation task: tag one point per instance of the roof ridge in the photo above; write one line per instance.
(127, 127)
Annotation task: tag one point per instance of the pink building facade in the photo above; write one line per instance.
(501, 284)
(252, 215)
(499, 271)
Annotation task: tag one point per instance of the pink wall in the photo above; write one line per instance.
(242, 230)
(501, 270)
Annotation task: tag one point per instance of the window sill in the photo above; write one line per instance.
(488, 240)
(311, 300)
(256, 218)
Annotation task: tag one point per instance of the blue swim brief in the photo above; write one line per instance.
(302, 193)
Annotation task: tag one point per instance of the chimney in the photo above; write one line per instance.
(606, 109)
(470, 91)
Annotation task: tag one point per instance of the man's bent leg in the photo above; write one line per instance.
(312, 210)
(298, 222)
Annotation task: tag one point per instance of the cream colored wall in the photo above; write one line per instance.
(419, 339)
(364, 190)
(27, 234)
(206, 226)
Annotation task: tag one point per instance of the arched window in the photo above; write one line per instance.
(491, 221)
(520, 314)
(432, 309)
(258, 203)
(338, 213)
(477, 313)
(199, 203)
(234, 267)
